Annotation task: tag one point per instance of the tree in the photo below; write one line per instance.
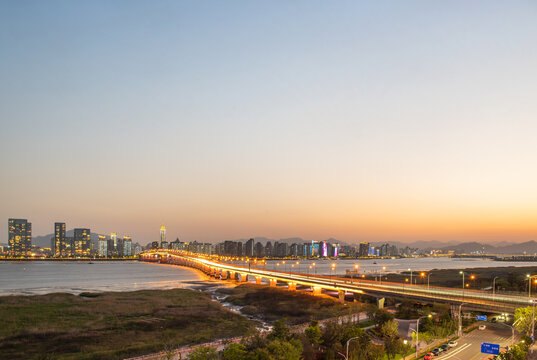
(332, 333)
(280, 330)
(516, 352)
(234, 351)
(523, 320)
(389, 331)
(313, 333)
(381, 316)
(285, 350)
(203, 353)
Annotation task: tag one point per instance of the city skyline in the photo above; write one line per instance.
(360, 122)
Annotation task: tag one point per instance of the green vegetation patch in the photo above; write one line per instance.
(111, 325)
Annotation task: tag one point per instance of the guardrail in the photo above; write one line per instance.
(500, 302)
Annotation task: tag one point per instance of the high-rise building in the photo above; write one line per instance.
(259, 250)
(162, 235)
(249, 248)
(103, 246)
(268, 249)
(127, 246)
(363, 250)
(81, 240)
(60, 241)
(20, 237)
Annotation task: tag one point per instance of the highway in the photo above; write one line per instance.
(475, 299)
(469, 346)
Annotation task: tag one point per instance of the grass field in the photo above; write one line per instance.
(271, 303)
(111, 325)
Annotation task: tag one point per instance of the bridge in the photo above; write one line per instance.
(471, 299)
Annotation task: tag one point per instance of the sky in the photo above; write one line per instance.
(358, 120)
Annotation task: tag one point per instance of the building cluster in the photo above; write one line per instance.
(367, 250)
(115, 246)
(63, 246)
(251, 248)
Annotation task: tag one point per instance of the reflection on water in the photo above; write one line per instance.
(41, 277)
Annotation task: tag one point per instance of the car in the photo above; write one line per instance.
(429, 356)
(444, 347)
(482, 327)
(436, 351)
(452, 343)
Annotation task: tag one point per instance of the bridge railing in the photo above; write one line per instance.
(434, 292)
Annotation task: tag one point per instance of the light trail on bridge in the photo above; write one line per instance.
(475, 299)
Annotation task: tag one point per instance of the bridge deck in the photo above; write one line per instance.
(479, 300)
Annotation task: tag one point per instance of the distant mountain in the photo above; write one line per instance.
(470, 247)
(44, 241)
(528, 248)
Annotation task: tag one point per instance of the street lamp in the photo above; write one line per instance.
(428, 275)
(348, 341)
(529, 277)
(314, 269)
(409, 269)
(333, 269)
(383, 268)
(462, 273)
(494, 285)
(418, 331)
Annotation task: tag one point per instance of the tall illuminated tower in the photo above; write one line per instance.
(20, 237)
(60, 248)
(162, 235)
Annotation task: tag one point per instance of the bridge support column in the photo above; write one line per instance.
(272, 282)
(316, 290)
(232, 275)
(258, 280)
(291, 286)
(243, 277)
(380, 303)
(224, 275)
(341, 295)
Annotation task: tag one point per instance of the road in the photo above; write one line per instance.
(469, 346)
(478, 300)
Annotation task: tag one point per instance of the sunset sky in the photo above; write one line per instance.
(379, 120)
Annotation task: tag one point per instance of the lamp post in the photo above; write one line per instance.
(356, 267)
(383, 268)
(348, 341)
(409, 269)
(529, 283)
(533, 325)
(462, 273)
(428, 275)
(494, 286)
(333, 269)
(314, 269)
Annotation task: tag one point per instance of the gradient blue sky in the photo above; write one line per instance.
(380, 120)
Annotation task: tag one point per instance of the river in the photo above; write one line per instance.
(41, 277)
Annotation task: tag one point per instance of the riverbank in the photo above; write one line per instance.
(112, 325)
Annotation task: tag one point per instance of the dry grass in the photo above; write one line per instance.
(111, 325)
(298, 307)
